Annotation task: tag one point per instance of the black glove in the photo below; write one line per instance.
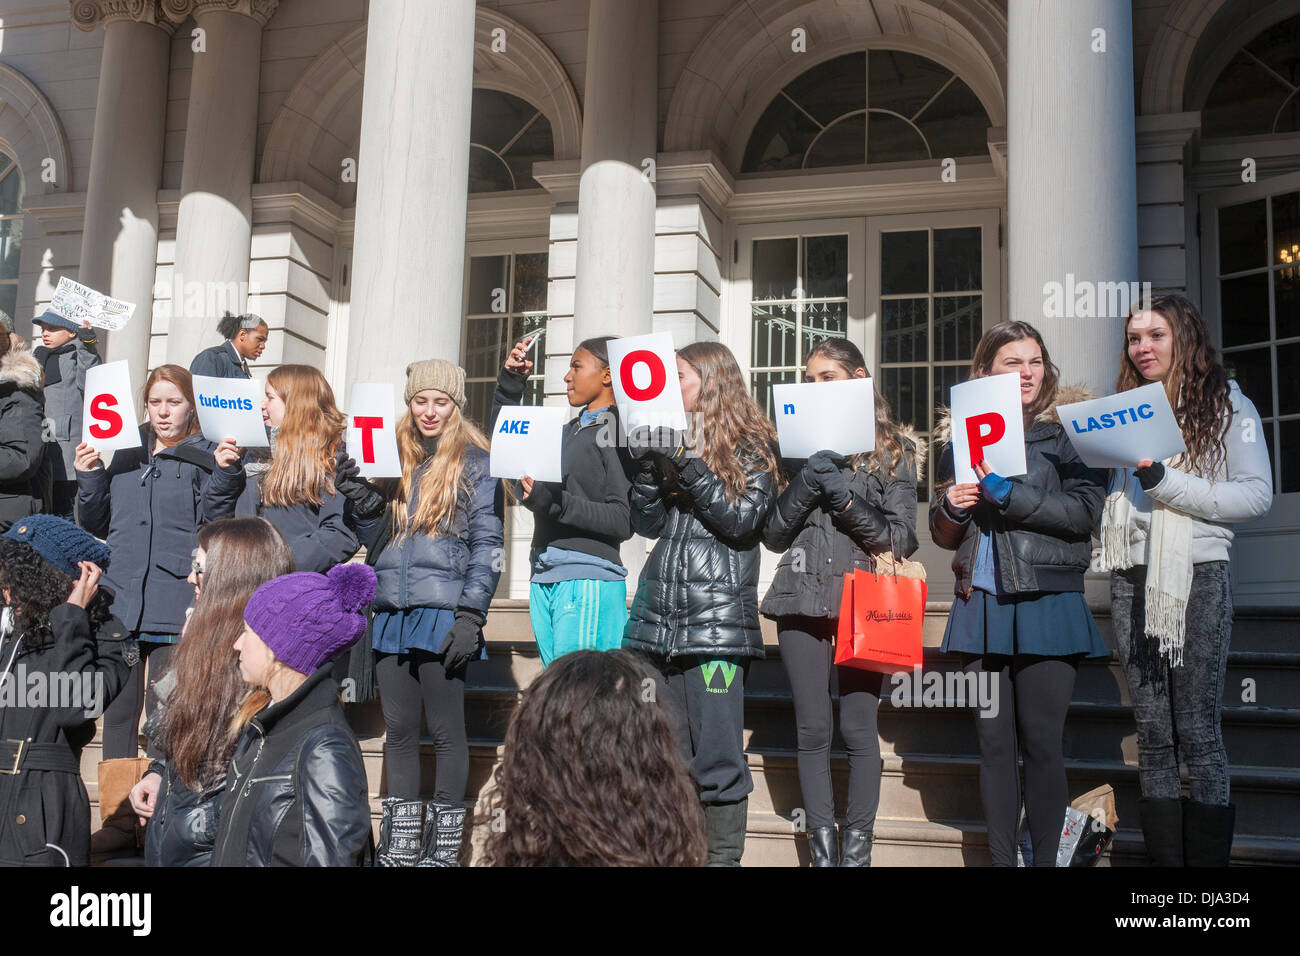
(1151, 475)
(367, 500)
(544, 497)
(667, 443)
(824, 475)
(463, 640)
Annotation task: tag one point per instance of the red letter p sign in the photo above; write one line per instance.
(978, 439)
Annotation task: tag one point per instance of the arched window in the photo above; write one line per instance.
(1258, 92)
(507, 135)
(876, 106)
(11, 236)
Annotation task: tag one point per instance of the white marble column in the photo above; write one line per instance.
(1072, 178)
(408, 257)
(214, 223)
(119, 243)
(614, 292)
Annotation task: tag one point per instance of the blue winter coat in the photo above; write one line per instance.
(150, 507)
(457, 569)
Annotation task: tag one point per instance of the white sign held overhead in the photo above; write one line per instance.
(231, 408)
(372, 430)
(832, 416)
(988, 424)
(643, 369)
(107, 416)
(78, 303)
(526, 441)
(1124, 429)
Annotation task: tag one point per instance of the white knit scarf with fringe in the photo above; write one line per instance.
(1169, 564)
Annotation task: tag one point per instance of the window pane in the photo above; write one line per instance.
(1244, 304)
(906, 326)
(903, 82)
(945, 377)
(11, 188)
(11, 241)
(761, 385)
(1288, 382)
(1290, 436)
(1253, 370)
(904, 263)
(905, 390)
(478, 402)
(774, 328)
(488, 173)
(891, 140)
(8, 304)
(833, 88)
(958, 320)
(1242, 237)
(486, 275)
(822, 321)
(1243, 101)
(844, 144)
(826, 266)
(1286, 226)
(957, 260)
(485, 347)
(1286, 296)
(774, 268)
(780, 138)
(530, 282)
(956, 124)
(521, 325)
(536, 145)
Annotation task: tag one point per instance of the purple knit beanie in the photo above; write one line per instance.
(307, 618)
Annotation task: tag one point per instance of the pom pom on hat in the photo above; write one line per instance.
(354, 583)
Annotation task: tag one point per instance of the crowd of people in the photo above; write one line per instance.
(214, 589)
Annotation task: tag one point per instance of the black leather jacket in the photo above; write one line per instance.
(297, 792)
(183, 828)
(698, 592)
(1043, 534)
(819, 547)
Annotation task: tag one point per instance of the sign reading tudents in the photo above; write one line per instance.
(1123, 429)
(231, 408)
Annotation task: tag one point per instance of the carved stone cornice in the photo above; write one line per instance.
(164, 14)
(259, 10)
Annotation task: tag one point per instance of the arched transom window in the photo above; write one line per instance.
(1258, 92)
(507, 135)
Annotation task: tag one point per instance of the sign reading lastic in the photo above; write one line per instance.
(1123, 429)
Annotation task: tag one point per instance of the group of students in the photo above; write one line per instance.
(251, 760)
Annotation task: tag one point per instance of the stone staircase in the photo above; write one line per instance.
(930, 813)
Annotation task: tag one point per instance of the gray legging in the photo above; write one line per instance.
(808, 652)
(408, 684)
(1178, 709)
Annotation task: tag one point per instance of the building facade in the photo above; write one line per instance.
(406, 179)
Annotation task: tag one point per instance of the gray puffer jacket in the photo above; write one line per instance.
(698, 592)
(820, 545)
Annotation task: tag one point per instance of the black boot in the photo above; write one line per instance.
(1162, 829)
(399, 832)
(724, 825)
(825, 848)
(1207, 833)
(855, 847)
(444, 827)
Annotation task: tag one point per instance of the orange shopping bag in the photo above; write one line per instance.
(881, 616)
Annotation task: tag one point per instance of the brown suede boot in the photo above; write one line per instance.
(120, 833)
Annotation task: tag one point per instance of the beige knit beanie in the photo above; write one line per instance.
(439, 374)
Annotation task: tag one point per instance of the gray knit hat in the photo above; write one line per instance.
(439, 374)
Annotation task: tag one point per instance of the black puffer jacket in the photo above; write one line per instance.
(45, 802)
(821, 545)
(23, 470)
(1043, 533)
(297, 792)
(698, 592)
(183, 828)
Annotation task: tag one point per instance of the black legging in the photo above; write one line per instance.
(122, 717)
(808, 652)
(404, 681)
(1031, 699)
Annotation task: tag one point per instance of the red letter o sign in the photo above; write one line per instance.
(658, 375)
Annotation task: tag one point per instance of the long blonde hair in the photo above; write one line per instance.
(303, 466)
(735, 433)
(442, 482)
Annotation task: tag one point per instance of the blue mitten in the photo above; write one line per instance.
(995, 489)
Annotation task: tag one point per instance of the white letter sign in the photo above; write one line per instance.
(643, 370)
(834, 416)
(526, 441)
(231, 408)
(1124, 429)
(107, 416)
(372, 430)
(988, 424)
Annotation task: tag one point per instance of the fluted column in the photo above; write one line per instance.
(408, 256)
(214, 224)
(119, 242)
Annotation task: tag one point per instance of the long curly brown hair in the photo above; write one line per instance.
(1197, 382)
(592, 774)
(37, 587)
(734, 436)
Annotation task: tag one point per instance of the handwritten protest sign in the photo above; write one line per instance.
(78, 303)
(107, 417)
(231, 408)
(835, 416)
(526, 440)
(1121, 430)
(988, 424)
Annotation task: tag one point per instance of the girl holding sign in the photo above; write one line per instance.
(695, 614)
(1022, 546)
(438, 553)
(1166, 535)
(149, 503)
(832, 517)
(299, 490)
(578, 591)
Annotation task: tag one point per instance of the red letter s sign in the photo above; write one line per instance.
(101, 409)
